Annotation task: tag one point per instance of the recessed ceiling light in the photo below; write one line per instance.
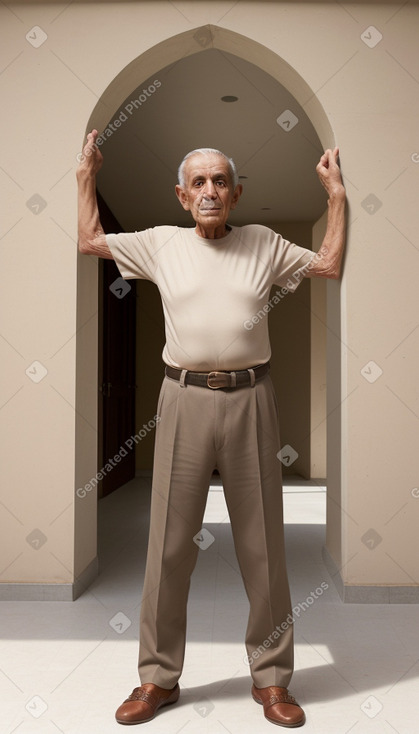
(229, 98)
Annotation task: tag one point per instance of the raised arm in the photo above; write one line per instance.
(327, 264)
(91, 237)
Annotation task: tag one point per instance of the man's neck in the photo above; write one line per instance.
(212, 233)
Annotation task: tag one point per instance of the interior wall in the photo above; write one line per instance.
(360, 91)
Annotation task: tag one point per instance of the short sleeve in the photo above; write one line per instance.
(289, 262)
(134, 253)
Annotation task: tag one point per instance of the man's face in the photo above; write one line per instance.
(208, 193)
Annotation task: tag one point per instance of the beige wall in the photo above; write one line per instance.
(363, 97)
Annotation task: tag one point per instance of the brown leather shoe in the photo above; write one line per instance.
(142, 704)
(283, 709)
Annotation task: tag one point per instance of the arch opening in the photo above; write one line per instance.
(122, 183)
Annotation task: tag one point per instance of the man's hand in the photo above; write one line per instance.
(328, 171)
(91, 159)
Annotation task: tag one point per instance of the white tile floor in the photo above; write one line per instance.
(65, 667)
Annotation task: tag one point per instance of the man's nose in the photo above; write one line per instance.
(209, 190)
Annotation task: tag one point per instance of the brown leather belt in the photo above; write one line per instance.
(219, 379)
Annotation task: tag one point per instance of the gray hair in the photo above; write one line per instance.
(205, 151)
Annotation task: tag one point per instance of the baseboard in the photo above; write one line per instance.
(50, 592)
(369, 594)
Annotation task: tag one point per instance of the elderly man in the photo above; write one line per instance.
(217, 409)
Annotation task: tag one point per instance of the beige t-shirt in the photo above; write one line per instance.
(213, 291)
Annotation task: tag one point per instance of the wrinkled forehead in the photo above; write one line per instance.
(206, 164)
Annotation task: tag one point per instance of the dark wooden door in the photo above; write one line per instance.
(117, 310)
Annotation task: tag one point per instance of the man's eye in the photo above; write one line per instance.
(198, 183)
(221, 183)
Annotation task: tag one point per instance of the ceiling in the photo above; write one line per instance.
(155, 130)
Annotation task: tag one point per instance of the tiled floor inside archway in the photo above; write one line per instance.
(66, 666)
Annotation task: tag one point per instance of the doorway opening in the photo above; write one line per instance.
(249, 103)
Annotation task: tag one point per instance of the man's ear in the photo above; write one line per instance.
(236, 196)
(181, 195)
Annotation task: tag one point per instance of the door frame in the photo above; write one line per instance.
(170, 51)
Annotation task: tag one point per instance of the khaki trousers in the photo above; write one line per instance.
(235, 431)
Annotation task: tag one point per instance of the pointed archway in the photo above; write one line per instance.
(167, 53)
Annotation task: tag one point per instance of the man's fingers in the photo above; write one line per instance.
(328, 158)
(336, 156)
(331, 156)
(323, 162)
(91, 158)
(91, 146)
(328, 170)
(91, 138)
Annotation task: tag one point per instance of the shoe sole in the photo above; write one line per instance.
(278, 723)
(144, 721)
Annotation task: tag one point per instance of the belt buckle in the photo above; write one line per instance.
(221, 378)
